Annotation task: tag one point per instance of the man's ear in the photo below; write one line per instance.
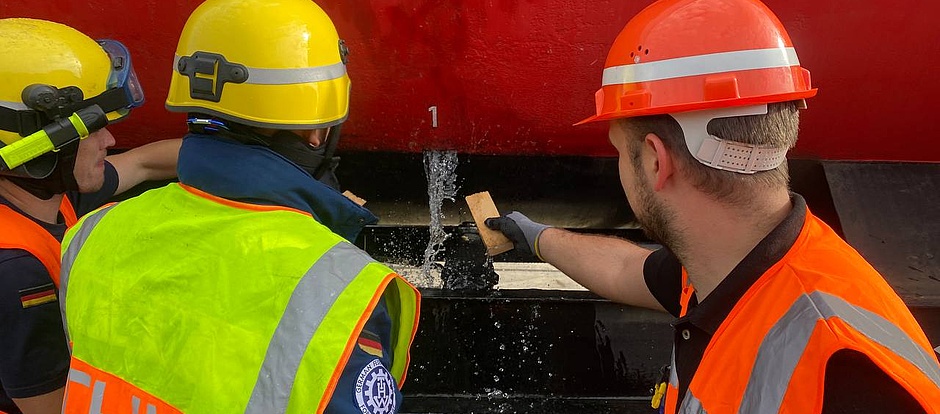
(663, 163)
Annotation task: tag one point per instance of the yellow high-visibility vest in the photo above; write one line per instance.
(180, 301)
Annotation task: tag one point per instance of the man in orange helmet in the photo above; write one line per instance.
(776, 312)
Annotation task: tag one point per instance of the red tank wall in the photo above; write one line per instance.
(511, 76)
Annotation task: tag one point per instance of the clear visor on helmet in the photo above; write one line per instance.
(122, 75)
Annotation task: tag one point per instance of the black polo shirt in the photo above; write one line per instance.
(34, 357)
(854, 384)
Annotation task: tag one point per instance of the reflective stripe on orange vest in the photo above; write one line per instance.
(21, 233)
(90, 390)
(787, 341)
(770, 352)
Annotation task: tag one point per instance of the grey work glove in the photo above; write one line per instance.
(523, 233)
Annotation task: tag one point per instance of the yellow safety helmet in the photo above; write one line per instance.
(51, 71)
(265, 63)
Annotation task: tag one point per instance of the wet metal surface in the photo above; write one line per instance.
(512, 349)
(891, 213)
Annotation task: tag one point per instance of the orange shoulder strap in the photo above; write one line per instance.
(68, 212)
(687, 291)
(22, 233)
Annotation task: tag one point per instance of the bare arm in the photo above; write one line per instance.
(608, 266)
(49, 403)
(154, 161)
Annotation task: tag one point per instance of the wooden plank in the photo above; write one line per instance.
(482, 208)
(355, 199)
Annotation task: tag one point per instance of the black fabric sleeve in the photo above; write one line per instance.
(663, 274)
(85, 203)
(855, 385)
(34, 357)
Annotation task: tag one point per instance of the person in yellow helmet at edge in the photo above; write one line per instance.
(58, 91)
(777, 314)
(244, 294)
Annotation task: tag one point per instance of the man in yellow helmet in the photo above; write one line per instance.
(56, 86)
(777, 314)
(244, 294)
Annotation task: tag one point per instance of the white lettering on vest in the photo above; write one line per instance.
(80, 377)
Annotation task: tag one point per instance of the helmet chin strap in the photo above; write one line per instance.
(723, 154)
(329, 164)
(318, 162)
(49, 174)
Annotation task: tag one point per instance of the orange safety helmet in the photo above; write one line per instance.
(698, 60)
(687, 55)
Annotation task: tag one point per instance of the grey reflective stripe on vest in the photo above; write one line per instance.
(784, 344)
(80, 377)
(673, 376)
(311, 300)
(69, 256)
(135, 406)
(97, 397)
(691, 405)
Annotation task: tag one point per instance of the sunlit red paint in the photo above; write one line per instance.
(511, 76)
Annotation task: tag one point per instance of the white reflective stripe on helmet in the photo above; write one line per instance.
(260, 76)
(724, 154)
(18, 106)
(701, 65)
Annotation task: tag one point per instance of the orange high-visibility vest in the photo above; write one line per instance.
(24, 234)
(770, 353)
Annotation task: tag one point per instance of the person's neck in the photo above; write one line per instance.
(717, 236)
(42, 210)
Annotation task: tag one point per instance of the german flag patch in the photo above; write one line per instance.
(370, 343)
(38, 295)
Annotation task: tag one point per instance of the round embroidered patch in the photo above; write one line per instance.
(374, 389)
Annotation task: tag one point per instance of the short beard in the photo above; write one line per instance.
(657, 220)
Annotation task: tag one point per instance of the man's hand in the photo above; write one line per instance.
(523, 232)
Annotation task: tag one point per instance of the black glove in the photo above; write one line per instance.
(523, 232)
